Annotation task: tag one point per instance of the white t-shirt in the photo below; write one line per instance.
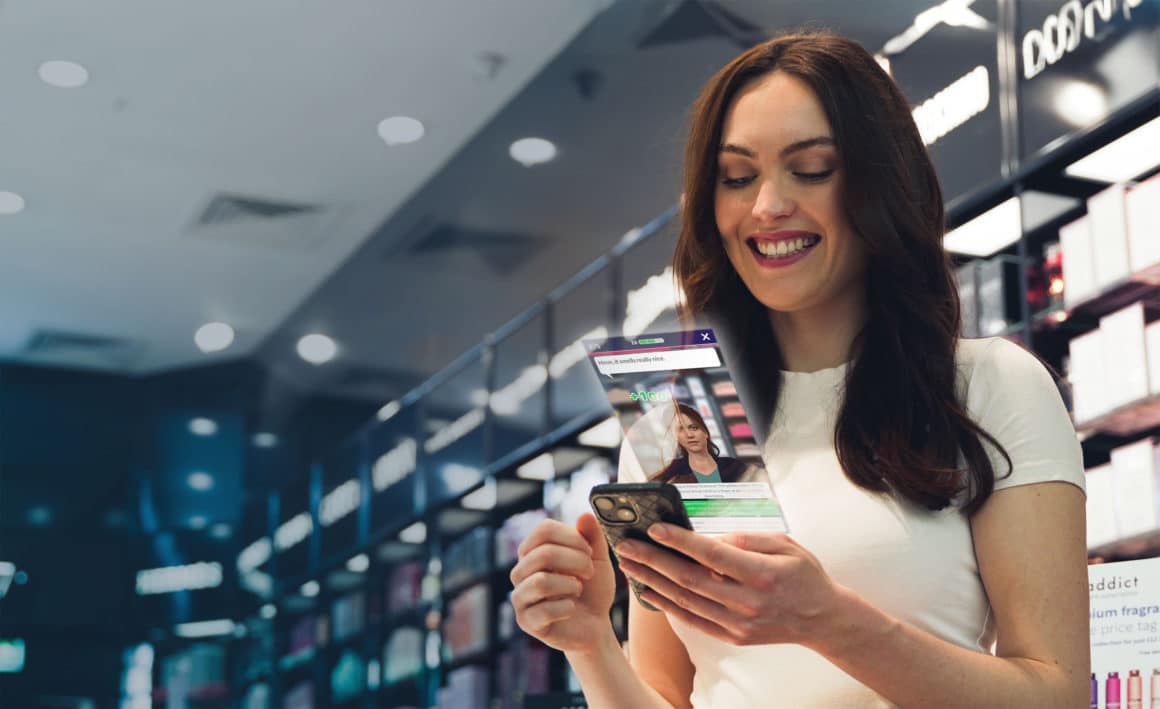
(916, 565)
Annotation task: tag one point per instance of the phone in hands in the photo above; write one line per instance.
(627, 510)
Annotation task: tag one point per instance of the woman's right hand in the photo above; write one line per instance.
(564, 585)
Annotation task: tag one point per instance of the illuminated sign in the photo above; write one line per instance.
(964, 98)
(1063, 32)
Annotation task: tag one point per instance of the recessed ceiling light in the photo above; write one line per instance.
(198, 522)
(268, 611)
(359, 564)
(63, 74)
(310, 589)
(532, 151)
(400, 130)
(200, 481)
(203, 427)
(317, 349)
(221, 530)
(265, 440)
(11, 203)
(214, 337)
(1125, 158)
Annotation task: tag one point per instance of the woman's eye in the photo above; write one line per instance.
(813, 176)
(735, 182)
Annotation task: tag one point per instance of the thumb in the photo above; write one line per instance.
(589, 528)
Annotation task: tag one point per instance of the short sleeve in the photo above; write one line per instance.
(1013, 397)
(629, 469)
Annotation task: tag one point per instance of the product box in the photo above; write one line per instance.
(1143, 210)
(1079, 271)
(992, 291)
(1125, 634)
(1134, 484)
(1086, 373)
(1109, 225)
(1152, 343)
(1101, 506)
(968, 298)
(1125, 356)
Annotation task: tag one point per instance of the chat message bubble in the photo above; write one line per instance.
(631, 362)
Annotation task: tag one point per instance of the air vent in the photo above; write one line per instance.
(700, 19)
(251, 221)
(227, 208)
(502, 252)
(82, 349)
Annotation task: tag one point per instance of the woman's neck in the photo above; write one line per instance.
(821, 337)
(702, 462)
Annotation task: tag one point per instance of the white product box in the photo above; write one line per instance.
(1134, 482)
(1152, 342)
(1125, 356)
(1087, 374)
(1143, 209)
(1109, 225)
(1079, 270)
(1101, 506)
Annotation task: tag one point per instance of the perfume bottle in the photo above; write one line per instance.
(1112, 691)
(1095, 692)
(1155, 694)
(1135, 690)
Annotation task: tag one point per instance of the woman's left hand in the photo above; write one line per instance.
(750, 588)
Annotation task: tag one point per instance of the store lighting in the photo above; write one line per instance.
(63, 74)
(605, 434)
(310, 589)
(1123, 159)
(213, 337)
(541, 467)
(170, 579)
(988, 233)
(478, 397)
(203, 427)
(255, 555)
(1080, 103)
(659, 293)
(395, 465)
(198, 522)
(508, 400)
(265, 440)
(483, 499)
(293, 531)
(452, 432)
(40, 516)
(221, 530)
(11, 203)
(268, 611)
(340, 502)
(317, 349)
(400, 130)
(204, 629)
(388, 411)
(358, 564)
(200, 481)
(7, 573)
(457, 476)
(532, 151)
(414, 534)
(574, 353)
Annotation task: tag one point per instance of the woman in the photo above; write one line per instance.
(932, 485)
(700, 460)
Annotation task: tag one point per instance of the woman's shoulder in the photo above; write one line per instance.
(995, 369)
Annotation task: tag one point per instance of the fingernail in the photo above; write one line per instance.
(626, 549)
(658, 531)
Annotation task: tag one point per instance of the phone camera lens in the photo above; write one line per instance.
(625, 514)
(604, 504)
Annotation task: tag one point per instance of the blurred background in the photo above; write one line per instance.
(291, 298)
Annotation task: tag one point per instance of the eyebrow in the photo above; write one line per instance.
(784, 152)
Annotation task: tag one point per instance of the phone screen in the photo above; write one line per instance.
(684, 423)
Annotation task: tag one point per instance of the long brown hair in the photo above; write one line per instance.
(901, 426)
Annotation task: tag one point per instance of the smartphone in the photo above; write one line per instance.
(627, 510)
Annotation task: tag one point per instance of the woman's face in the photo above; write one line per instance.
(691, 436)
(778, 199)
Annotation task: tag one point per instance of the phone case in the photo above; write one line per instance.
(657, 502)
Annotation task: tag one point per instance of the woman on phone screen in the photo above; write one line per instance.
(933, 485)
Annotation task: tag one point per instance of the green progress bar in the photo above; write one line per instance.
(651, 341)
(732, 508)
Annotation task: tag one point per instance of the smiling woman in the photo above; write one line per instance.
(933, 484)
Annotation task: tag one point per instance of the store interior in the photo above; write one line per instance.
(292, 309)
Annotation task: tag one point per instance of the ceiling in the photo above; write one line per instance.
(140, 187)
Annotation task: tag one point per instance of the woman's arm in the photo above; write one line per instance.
(1030, 545)
(657, 672)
